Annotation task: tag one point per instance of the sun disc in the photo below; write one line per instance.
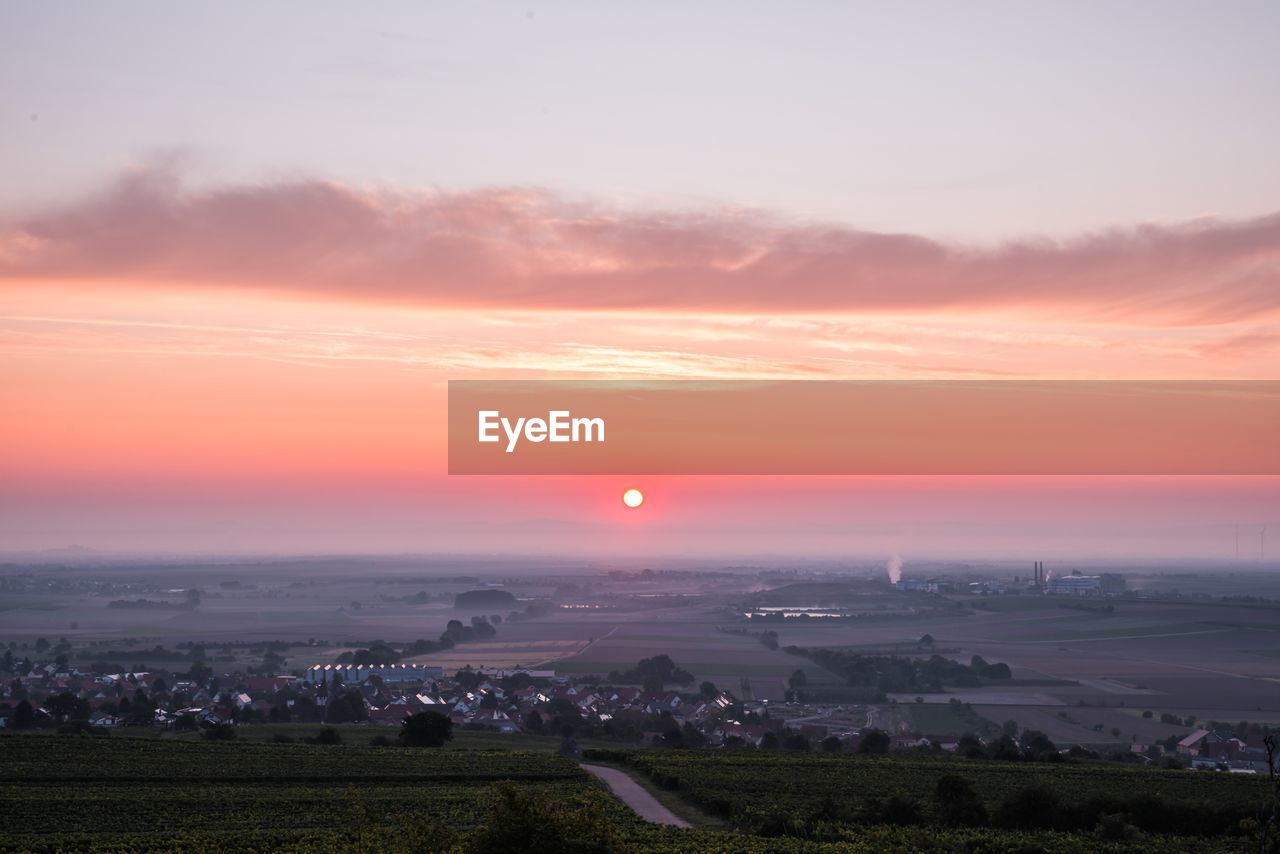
(633, 498)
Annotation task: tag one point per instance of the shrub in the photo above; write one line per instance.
(528, 821)
(956, 804)
(327, 735)
(1033, 808)
(426, 729)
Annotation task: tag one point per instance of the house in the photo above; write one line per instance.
(216, 716)
(1192, 744)
(751, 734)
(391, 714)
(495, 719)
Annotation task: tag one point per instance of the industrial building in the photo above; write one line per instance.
(1107, 584)
(389, 673)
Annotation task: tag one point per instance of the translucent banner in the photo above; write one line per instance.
(864, 427)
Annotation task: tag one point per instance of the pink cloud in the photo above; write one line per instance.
(517, 248)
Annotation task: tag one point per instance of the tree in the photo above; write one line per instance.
(956, 803)
(67, 705)
(708, 690)
(426, 729)
(875, 741)
(769, 741)
(797, 741)
(199, 672)
(345, 707)
(1005, 748)
(926, 640)
(902, 811)
(24, 717)
(831, 744)
(798, 680)
(1269, 810)
(970, 747)
(377, 653)
(999, 670)
(1036, 745)
(141, 711)
(1010, 728)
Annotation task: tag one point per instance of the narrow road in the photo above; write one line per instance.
(635, 796)
(585, 647)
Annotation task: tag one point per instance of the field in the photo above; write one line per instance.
(125, 794)
(1175, 810)
(156, 794)
(1082, 671)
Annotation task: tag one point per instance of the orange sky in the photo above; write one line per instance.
(251, 369)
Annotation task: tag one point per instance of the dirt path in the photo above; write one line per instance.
(635, 796)
(586, 646)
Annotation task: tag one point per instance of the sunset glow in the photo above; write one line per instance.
(198, 355)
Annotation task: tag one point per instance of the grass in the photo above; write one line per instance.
(936, 719)
(359, 735)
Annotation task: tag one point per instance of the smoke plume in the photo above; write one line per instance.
(895, 569)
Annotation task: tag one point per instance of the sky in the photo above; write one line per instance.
(243, 248)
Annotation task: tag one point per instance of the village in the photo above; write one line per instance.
(72, 698)
(384, 695)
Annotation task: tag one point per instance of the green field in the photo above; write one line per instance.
(937, 719)
(87, 792)
(359, 735)
(826, 796)
(115, 793)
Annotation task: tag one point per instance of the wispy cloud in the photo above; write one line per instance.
(529, 248)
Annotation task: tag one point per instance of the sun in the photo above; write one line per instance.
(633, 498)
